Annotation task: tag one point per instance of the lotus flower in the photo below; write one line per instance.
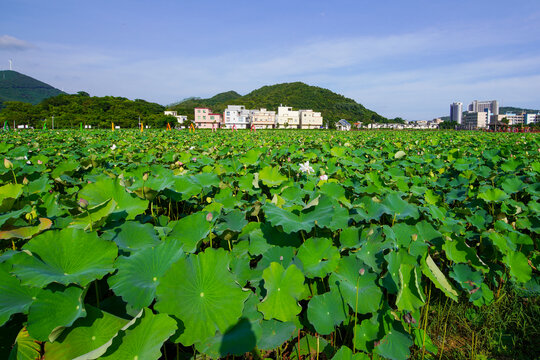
(323, 177)
(306, 168)
(113, 147)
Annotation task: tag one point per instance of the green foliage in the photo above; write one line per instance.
(297, 95)
(174, 244)
(15, 86)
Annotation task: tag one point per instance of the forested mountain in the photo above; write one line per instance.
(71, 110)
(510, 109)
(297, 95)
(15, 86)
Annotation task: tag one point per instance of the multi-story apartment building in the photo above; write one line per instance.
(263, 119)
(205, 119)
(180, 118)
(310, 119)
(481, 106)
(237, 115)
(287, 118)
(456, 112)
(474, 120)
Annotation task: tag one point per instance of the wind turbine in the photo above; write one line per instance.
(10, 64)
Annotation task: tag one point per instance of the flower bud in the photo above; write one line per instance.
(8, 164)
(83, 203)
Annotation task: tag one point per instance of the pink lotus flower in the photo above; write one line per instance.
(323, 177)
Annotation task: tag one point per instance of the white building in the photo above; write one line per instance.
(456, 112)
(481, 106)
(180, 118)
(310, 119)
(263, 119)
(475, 120)
(343, 125)
(287, 118)
(237, 115)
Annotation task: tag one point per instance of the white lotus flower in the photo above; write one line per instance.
(306, 168)
(113, 147)
(323, 177)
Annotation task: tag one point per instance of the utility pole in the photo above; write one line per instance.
(53, 122)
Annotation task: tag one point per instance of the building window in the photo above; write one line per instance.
(198, 111)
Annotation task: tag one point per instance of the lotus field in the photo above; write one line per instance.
(280, 244)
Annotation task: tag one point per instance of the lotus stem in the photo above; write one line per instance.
(355, 314)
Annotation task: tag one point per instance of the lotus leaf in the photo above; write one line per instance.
(356, 285)
(127, 205)
(395, 345)
(14, 298)
(191, 230)
(366, 333)
(65, 256)
(139, 274)
(25, 347)
(344, 353)
(26, 232)
(410, 295)
(98, 326)
(271, 177)
(143, 340)
(318, 256)
(201, 292)
(54, 310)
(284, 288)
(326, 311)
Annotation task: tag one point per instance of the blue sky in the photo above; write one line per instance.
(399, 58)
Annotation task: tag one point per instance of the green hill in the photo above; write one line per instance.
(297, 95)
(15, 86)
(515, 110)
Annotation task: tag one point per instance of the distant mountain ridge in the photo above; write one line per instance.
(15, 86)
(297, 95)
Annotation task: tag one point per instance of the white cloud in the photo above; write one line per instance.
(414, 75)
(11, 43)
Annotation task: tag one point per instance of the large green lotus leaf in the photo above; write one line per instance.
(350, 238)
(251, 157)
(410, 295)
(359, 291)
(284, 288)
(202, 292)
(275, 333)
(459, 252)
(185, 186)
(366, 333)
(468, 279)
(132, 235)
(493, 195)
(139, 274)
(395, 345)
(399, 208)
(8, 194)
(325, 214)
(240, 338)
(394, 259)
(87, 338)
(190, 230)
(282, 255)
(95, 216)
(512, 185)
(26, 232)
(65, 256)
(54, 310)
(127, 205)
(25, 347)
(206, 180)
(232, 221)
(270, 176)
(14, 298)
(432, 271)
(336, 192)
(344, 353)
(144, 339)
(326, 311)
(519, 266)
(318, 256)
